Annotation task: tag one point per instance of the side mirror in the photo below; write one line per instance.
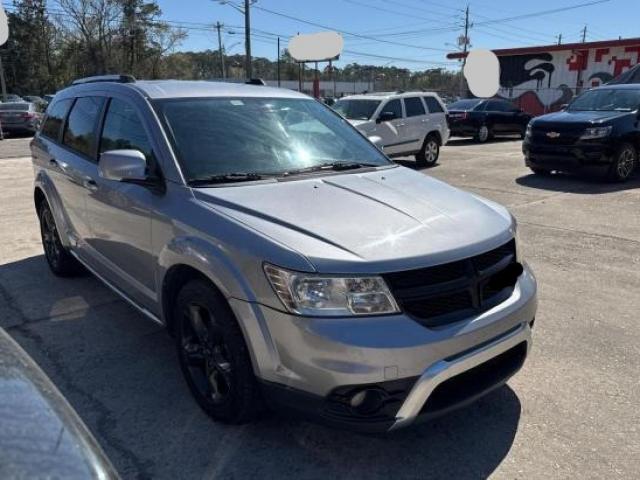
(123, 166)
(377, 141)
(386, 117)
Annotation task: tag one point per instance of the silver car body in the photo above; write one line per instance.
(406, 134)
(388, 219)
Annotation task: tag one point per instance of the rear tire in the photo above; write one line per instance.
(213, 355)
(624, 164)
(429, 153)
(483, 134)
(60, 261)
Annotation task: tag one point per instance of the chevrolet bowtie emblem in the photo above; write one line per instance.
(553, 134)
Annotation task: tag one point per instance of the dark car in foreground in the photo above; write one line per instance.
(41, 436)
(483, 119)
(20, 117)
(598, 132)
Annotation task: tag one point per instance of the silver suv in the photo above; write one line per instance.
(295, 265)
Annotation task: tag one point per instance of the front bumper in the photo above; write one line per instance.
(581, 156)
(314, 366)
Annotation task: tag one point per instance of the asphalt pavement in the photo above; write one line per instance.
(572, 412)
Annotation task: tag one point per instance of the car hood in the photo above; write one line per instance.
(579, 118)
(389, 219)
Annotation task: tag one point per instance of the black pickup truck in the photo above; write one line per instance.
(482, 119)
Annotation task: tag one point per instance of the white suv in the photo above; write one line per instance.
(405, 123)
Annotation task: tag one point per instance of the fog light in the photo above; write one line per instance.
(367, 402)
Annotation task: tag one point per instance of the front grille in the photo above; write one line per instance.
(566, 136)
(444, 294)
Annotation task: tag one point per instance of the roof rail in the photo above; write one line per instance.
(256, 81)
(105, 78)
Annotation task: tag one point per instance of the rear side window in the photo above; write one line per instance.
(55, 118)
(497, 106)
(414, 106)
(80, 134)
(394, 106)
(433, 105)
(124, 130)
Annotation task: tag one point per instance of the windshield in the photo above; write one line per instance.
(464, 104)
(22, 107)
(264, 136)
(356, 109)
(606, 99)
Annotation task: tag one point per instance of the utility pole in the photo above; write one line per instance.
(584, 34)
(465, 46)
(247, 38)
(560, 39)
(220, 50)
(278, 61)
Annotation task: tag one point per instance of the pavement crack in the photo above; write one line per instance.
(570, 230)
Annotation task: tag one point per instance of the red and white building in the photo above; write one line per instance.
(541, 79)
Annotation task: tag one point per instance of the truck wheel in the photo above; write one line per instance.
(625, 162)
(213, 355)
(483, 134)
(429, 153)
(60, 261)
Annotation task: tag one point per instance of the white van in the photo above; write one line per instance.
(406, 123)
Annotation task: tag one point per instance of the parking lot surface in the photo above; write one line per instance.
(572, 411)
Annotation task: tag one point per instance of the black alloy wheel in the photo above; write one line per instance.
(213, 355)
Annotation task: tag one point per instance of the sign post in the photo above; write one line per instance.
(314, 48)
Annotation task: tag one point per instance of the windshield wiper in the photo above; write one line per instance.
(337, 166)
(226, 178)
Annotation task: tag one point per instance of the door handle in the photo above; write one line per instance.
(90, 184)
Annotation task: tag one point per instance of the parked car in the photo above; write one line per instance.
(41, 436)
(483, 119)
(293, 262)
(12, 98)
(39, 101)
(597, 132)
(403, 123)
(20, 117)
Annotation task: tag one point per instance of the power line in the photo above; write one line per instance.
(345, 32)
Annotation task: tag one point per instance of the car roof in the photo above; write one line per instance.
(165, 89)
(385, 95)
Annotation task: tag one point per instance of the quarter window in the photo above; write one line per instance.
(80, 134)
(433, 105)
(55, 118)
(123, 130)
(414, 106)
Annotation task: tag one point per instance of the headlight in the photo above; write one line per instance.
(326, 295)
(529, 131)
(596, 132)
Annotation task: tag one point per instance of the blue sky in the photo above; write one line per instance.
(390, 20)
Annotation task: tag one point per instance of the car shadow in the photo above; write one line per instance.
(464, 141)
(411, 163)
(581, 184)
(120, 372)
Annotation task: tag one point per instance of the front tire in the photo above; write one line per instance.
(624, 164)
(429, 153)
(60, 261)
(213, 355)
